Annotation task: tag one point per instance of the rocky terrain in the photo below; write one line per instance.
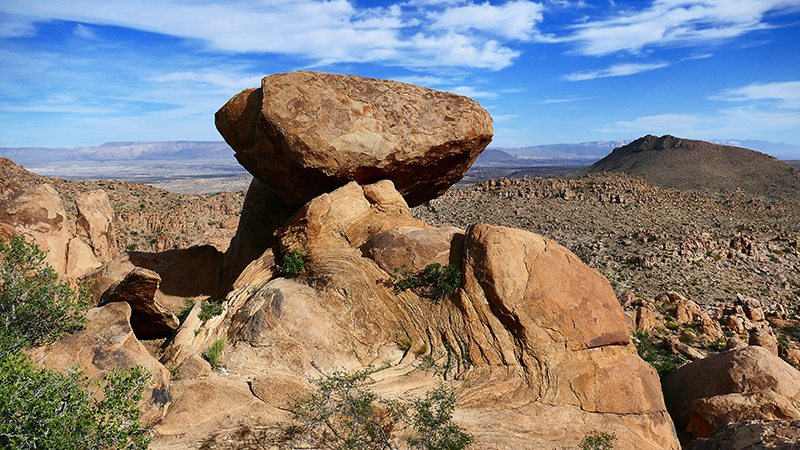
(537, 340)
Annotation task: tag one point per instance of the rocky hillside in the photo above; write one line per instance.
(646, 239)
(671, 162)
(149, 218)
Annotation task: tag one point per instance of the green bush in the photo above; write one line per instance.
(597, 440)
(434, 281)
(344, 414)
(209, 309)
(45, 409)
(188, 304)
(213, 354)
(293, 263)
(35, 306)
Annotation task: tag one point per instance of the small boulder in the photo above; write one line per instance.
(721, 388)
(308, 133)
(414, 248)
(149, 319)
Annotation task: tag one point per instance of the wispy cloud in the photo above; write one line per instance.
(551, 101)
(472, 92)
(672, 23)
(427, 34)
(618, 70)
(785, 95)
(84, 32)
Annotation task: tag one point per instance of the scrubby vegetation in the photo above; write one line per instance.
(208, 310)
(35, 307)
(45, 409)
(214, 353)
(656, 354)
(434, 281)
(344, 413)
(598, 440)
(293, 263)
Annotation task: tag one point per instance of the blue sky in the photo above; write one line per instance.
(81, 73)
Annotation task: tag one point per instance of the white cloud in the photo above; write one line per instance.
(618, 70)
(785, 94)
(513, 20)
(13, 25)
(472, 92)
(328, 32)
(422, 80)
(83, 32)
(673, 23)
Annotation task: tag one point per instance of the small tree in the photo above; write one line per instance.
(35, 307)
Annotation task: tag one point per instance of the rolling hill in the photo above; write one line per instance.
(685, 164)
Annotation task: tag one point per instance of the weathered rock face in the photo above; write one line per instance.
(539, 339)
(415, 248)
(307, 133)
(96, 221)
(149, 319)
(39, 214)
(107, 343)
(744, 384)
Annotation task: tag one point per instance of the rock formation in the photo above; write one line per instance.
(307, 133)
(527, 353)
(744, 384)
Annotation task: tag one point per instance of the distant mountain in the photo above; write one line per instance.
(779, 150)
(583, 153)
(122, 151)
(671, 162)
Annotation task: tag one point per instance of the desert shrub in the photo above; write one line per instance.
(209, 309)
(45, 409)
(598, 440)
(188, 304)
(35, 306)
(213, 354)
(404, 278)
(293, 263)
(344, 414)
(434, 281)
(656, 354)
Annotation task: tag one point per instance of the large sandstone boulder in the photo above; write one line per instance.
(96, 222)
(307, 133)
(39, 214)
(535, 340)
(750, 383)
(107, 343)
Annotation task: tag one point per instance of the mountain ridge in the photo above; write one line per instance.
(672, 162)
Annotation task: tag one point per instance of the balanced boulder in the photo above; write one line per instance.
(308, 133)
